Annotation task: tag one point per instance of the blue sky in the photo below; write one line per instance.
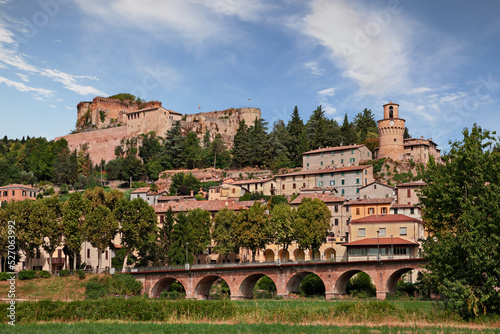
(438, 59)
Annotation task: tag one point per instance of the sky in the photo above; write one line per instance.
(439, 60)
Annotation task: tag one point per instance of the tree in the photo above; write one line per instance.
(165, 238)
(192, 151)
(137, 225)
(171, 153)
(241, 146)
(260, 149)
(316, 129)
(201, 223)
(348, 133)
(312, 223)
(183, 184)
(223, 232)
(73, 220)
(47, 214)
(181, 239)
(282, 218)
(101, 229)
(460, 208)
(218, 154)
(150, 147)
(253, 229)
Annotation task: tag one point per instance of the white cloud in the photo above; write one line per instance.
(11, 57)
(190, 19)
(329, 110)
(420, 90)
(23, 88)
(314, 67)
(363, 44)
(327, 92)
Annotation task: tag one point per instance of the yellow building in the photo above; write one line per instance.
(371, 206)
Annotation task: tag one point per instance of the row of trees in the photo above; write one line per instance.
(97, 216)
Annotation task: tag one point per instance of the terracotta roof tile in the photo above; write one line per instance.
(327, 170)
(380, 241)
(212, 206)
(251, 181)
(141, 190)
(390, 218)
(397, 206)
(327, 198)
(418, 183)
(371, 201)
(336, 148)
(17, 186)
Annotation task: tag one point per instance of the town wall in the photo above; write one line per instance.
(101, 143)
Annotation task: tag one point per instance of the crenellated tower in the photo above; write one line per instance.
(391, 131)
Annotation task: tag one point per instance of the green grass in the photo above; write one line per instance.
(53, 328)
(291, 312)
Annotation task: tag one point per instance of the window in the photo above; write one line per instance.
(307, 156)
(336, 221)
(106, 255)
(374, 186)
(336, 208)
(320, 183)
(13, 192)
(384, 210)
(332, 182)
(368, 153)
(341, 161)
(88, 253)
(366, 172)
(321, 163)
(234, 190)
(401, 251)
(24, 193)
(357, 180)
(357, 211)
(321, 175)
(402, 231)
(395, 211)
(357, 190)
(342, 181)
(371, 211)
(342, 173)
(412, 211)
(162, 219)
(283, 187)
(303, 176)
(5, 193)
(294, 186)
(408, 193)
(333, 153)
(331, 174)
(343, 191)
(307, 164)
(381, 231)
(321, 154)
(303, 185)
(342, 153)
(352, 151)
(332, 162)
(361, 232)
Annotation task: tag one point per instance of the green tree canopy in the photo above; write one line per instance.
(253, 229)
(460, 206)
(223, 232)
(312, 223)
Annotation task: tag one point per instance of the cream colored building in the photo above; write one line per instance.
(339, 156)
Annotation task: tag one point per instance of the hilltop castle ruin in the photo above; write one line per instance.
(103, 123)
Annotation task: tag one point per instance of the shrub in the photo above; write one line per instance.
(95, 289)
(5, 276)
(44, 274)
(64, 273)
(361, 286)
(124, 284)
(81, 274)
(27, 274)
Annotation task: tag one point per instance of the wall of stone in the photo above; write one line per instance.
(101, 143)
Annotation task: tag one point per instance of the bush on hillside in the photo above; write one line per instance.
(64, 273)
(44, 274)
(27, 274)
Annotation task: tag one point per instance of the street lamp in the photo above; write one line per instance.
(187, 264)
(378, 245)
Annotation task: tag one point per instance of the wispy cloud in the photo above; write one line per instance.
(327, 92)
(12, 57)
(314, 68)
(23, 88)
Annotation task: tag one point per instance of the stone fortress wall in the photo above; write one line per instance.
(103, 122)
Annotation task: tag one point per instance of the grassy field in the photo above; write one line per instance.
(224, 328)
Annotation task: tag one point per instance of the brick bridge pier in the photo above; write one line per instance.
(241, 278)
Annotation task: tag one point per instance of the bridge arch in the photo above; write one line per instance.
(248, 284)
(341, 284)
(392, 281)
(202, 289)
(164, 284)
(294, 281)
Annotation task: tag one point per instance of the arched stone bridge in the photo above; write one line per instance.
(241, 278)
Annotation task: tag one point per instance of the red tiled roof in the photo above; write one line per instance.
(418, 183)
(18, 186)
(249, 203)
(371, 201)
(141, 190)
(397, 206)
(380, 241)
(212, 206)
(377, 182)
(250, 181)
(327, 170)
(327, 198)
(336, 148)
(385, 219)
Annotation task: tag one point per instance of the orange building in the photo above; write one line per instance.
(17, 192)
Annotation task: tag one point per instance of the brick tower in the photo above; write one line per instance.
(391, 131)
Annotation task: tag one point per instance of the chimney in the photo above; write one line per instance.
(192, 193)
